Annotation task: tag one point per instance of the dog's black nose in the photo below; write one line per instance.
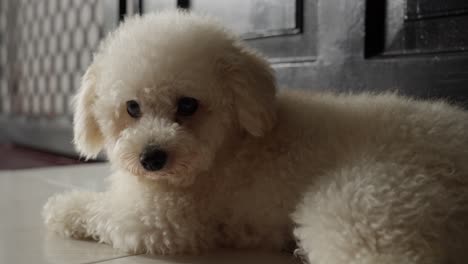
(153, 159)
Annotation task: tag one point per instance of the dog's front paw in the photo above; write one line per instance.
(65, 214)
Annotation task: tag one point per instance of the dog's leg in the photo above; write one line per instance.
(127, 221)
(88, 215)
(67, 214)
(383, 213)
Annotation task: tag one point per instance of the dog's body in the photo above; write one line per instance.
(366, 178)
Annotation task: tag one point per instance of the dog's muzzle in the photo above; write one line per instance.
(153, 158)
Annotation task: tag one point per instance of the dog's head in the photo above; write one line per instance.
(167, 93)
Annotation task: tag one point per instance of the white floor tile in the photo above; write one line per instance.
(24, 240)
(220, 257)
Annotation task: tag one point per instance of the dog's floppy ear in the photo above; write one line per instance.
(88, 138)
(254, 88)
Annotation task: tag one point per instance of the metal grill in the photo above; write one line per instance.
(45, 47)
(5, 103)
(56, 42)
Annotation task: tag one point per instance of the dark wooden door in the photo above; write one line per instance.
(416, 47)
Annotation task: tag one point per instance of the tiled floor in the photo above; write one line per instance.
(23, 238)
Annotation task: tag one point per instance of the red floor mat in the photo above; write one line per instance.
(17, 157)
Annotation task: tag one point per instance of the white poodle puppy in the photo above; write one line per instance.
(207, 155)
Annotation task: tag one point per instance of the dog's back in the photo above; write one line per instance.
(396, 189)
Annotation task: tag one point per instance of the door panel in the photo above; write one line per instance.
(417, 27)
(415, 47)
(421, 9)
(160, 5)
(253, 18)
(277, 28)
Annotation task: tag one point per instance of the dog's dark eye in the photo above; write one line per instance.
(133, 109)
(187, 106)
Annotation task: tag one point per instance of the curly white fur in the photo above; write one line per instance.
(355, 178)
